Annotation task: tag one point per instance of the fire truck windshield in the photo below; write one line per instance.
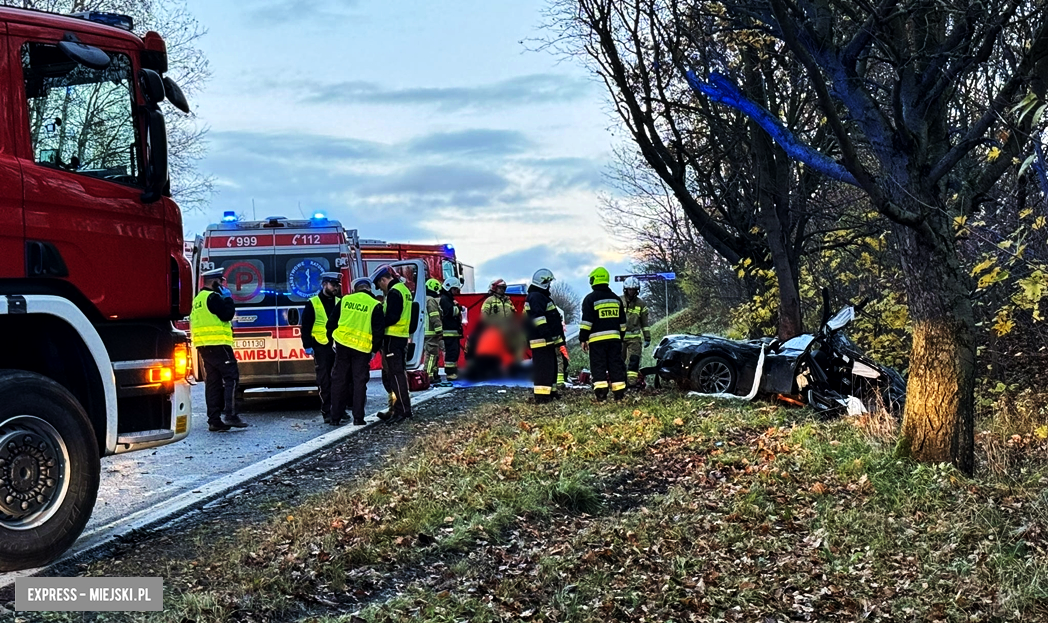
(81, 119)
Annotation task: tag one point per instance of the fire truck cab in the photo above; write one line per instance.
(90, 364)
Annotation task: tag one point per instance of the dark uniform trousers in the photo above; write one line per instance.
(349, 383)
(544, 372)
(452, 350)
(323, 362)
(394, 366)
(221, 377)
(607, 368)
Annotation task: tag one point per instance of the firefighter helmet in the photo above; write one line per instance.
(496, 284)
(452, 282)
(433, 284)
(362, 285)
(542, 278)
(632, 284)
(599, 276)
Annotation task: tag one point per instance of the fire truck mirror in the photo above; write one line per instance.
(152, 86)
(175, 95)
(156, 162)
(87, 55)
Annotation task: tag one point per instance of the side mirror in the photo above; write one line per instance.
(156, 156)
(87, 55)
(152, 86)
(175, 96)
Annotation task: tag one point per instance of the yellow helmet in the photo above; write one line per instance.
(599, 276)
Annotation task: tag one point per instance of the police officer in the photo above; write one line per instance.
(356, 328)
(545, 333)
(638, 331)
(451, 320)
(434, 330)
(210, 324)
(601, 331)
(396, 310)
(316, 338)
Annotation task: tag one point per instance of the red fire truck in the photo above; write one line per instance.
(90, 364)
(273, 268)
(440, 259)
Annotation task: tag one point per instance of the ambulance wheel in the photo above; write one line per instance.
(49, 470)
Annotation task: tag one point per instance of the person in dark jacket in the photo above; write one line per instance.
(601, 332)
(316, 337)
(451, 321)
(356, 327)
(396, 310)
(545, 329)
(211, 328)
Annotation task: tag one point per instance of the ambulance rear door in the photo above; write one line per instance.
(301, 256)
(247, 257)
(413, 274)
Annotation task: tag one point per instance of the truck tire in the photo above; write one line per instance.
(49, 470)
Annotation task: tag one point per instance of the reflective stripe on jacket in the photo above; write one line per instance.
(636, 319)
(603, 317)
(434, 327)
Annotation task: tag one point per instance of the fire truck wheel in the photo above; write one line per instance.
(49, 470)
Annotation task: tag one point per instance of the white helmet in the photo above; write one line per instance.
(632, 284)
(542, 278)
(452, 282)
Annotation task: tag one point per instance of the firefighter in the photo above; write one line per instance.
(396, 310)
(434, 330)
(600, 333)
(356, 326)
(545, 330)
(451, 321)
(638, 332)
(497, 307)
(210, 324)
(316, 337)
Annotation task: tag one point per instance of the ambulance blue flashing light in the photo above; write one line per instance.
(449, 247)
(319, 216)
(229, 216)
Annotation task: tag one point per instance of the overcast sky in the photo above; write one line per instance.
(411, 121)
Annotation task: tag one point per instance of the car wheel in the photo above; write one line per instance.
(49, 470)
(713, 375)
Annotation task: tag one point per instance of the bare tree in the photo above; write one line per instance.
(565, 297)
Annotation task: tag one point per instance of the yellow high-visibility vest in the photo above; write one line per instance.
(401, 328)
(206, 328)
(354, 322)
(320, 324)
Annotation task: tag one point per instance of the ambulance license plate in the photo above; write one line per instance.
(249, 343)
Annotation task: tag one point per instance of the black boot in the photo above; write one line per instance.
(234, 421)
(217, 427)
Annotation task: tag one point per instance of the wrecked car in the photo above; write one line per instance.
(824, 370)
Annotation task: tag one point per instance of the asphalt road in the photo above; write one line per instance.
(138, 480)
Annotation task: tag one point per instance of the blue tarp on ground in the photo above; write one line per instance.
(494, 383)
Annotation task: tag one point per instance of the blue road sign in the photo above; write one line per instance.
(648, 277)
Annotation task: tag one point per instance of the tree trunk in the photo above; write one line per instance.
(939, 423)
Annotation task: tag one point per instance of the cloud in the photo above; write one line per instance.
(282, 12)
(529, 90)
(471, 142)
(441, 180)
(568, 265)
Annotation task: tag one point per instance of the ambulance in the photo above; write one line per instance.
(272, 269)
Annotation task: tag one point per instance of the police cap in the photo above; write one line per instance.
(362, 285)
(216, 273)
(331, 276)
(383, 271)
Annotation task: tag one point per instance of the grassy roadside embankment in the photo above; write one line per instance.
(660, 509)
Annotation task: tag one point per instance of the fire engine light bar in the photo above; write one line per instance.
(319, 216)
(124, 22)
(229, 216)
(160, 375)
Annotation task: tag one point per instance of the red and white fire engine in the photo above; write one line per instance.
(90, 364)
